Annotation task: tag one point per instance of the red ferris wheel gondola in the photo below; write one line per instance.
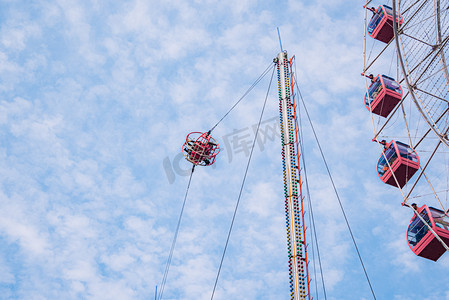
(383, 95)
(403, 162)
(380, 26)
(421, 240)
(200, 148)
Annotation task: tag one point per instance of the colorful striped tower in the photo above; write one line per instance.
(294, 212)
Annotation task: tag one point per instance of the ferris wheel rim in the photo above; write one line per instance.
(439, 37)
(425, 115)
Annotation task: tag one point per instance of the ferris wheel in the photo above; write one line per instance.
(407, 93)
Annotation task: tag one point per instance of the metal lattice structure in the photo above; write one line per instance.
(422, 47)
(296, 240)
(416, 56)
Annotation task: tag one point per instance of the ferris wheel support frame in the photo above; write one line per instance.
(442, 138)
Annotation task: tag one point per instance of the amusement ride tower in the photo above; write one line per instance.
(294, 212)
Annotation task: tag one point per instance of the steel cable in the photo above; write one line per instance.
(172, 249)
(337, 195)
(241, 189)
(245, 94)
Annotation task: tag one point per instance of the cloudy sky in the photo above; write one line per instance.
(96, 98)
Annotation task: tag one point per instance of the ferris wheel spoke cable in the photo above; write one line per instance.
(404, 115)
(172, 249)
(337, 195)
(241, 188)
(409, 20)
(391, 64)
(436, 55)
(417, 24)
(416, 39)
(428, 194)
(424, 59)
(267, 70)
(411, 6)
(422, 172)
(434, 74)
(429, 130)
(432, 95)
(435, 194)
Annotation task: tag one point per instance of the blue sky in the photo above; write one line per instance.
(95, 101)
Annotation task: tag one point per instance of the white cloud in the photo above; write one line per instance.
(15, 225)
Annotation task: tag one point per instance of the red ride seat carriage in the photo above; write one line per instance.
(421, 240)
(200, 148)
(380, 26)
(399, 162)
(383, 95)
